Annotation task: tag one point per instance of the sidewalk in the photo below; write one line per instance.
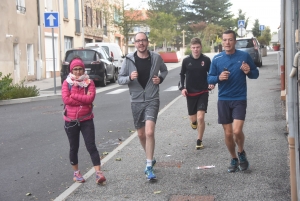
(177, 160)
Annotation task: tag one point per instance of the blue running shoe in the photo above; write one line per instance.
(149, 173)
(234, 165)
(153, 163)
(244, 164)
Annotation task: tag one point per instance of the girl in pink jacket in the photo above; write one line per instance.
(78, 94)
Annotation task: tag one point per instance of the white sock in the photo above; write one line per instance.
(149, 162)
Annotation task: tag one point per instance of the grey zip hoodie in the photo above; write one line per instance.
(151, 91)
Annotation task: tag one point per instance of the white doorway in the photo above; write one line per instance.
(49, 56)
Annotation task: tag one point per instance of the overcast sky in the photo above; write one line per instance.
(266, 11)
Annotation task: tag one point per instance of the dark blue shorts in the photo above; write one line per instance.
(230, 110)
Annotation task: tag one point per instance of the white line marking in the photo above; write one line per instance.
(173, 88)
(117, 91)
(74, 186)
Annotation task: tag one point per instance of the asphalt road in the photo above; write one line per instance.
(34, 146)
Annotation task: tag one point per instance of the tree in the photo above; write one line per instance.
(265, 37)
(213, 11)
(255, 29)
(163, 28)
(175, 7)
(127, 20)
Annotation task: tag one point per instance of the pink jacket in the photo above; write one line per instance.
(78, 104)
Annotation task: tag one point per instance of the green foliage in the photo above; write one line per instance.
(188, 51)
(213, 11)
(163, 27)
(265, 38)
(8, 90)
(255, 29)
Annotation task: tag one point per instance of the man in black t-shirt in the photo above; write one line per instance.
(194, 72)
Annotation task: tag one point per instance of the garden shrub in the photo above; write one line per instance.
(8, 90)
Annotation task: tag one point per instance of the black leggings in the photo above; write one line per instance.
(87, 129)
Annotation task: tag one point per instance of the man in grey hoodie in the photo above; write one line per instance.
(143, 71)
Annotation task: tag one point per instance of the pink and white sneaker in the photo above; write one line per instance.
(100, 177)
(78, 177)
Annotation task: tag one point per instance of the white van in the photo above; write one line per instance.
(112, 49)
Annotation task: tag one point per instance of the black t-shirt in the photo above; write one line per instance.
(194, 73)
(143, 66)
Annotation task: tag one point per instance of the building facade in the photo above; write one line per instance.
(19, 39)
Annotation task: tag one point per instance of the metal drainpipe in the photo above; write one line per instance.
(82, 9)
(292, 95)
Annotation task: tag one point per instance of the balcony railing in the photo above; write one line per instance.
(21, 9)
(77, 26)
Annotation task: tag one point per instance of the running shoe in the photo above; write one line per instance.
(199, 145)
(234, 165)
(78, 177)
(244, 164)
(100, 177)
(153, 163)
(150, 174)
(194, 125)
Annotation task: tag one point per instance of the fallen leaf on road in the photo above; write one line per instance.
(157, 192)
(118, 159)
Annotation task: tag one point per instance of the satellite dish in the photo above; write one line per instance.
(241, 32)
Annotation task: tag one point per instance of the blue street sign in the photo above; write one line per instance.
(51, 19)
(241, 23)
(261, 27)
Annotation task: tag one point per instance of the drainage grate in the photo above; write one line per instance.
(169, 164)
(192, 198)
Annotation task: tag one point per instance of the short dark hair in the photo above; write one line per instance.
(230, 32)
(141, 33)
(195, 41)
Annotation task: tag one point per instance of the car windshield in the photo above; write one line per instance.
(247, 43)
(85, 55)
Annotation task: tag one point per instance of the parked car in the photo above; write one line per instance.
(98, 65)
(112, 49)
(252, 46)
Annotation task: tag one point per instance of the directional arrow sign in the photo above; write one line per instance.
(241, 23)
(51, 19)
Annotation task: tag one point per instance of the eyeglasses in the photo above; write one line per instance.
(142, 40)
(77, 69)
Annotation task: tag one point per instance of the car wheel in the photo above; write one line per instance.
(103, 82)
(115, 77)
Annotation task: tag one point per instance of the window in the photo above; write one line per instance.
(68, 43)
(20, 5)
(30, 62)
(98, 19)
(66, 9)
(116, 15)
(89, 13)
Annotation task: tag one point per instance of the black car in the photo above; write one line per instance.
(252, 46)
(98, 65)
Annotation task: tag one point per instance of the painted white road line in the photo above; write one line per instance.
(117, 91)
(173, 88)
